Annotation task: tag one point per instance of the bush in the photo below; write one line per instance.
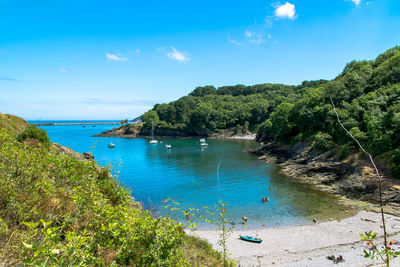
(395, 163)
(34, 133)
(322, 142)
(344, 151)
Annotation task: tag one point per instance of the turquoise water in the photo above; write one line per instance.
(187, 174)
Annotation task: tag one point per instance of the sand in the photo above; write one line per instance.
(308, 245)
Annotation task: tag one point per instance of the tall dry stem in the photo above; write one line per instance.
(379, 181)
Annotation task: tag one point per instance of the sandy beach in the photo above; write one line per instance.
(308, 245)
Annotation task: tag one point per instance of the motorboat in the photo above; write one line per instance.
(111, 145)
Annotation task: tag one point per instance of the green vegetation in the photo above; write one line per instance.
(12, 123)
(57, 209)
(33, 132)
(366, 93)
(207, 109)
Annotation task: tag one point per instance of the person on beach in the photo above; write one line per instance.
(244, 220)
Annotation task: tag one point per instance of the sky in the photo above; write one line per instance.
(77, 59)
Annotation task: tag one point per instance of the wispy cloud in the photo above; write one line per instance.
(179, 56)
(118, 102)
(287, 10)
(115, 57)
(233, 41)
(254, 37)
(356, 2)
(8, 79)
(63, 70)
(268, 21)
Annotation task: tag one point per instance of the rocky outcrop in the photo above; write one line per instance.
(163, 132)
(353, 177)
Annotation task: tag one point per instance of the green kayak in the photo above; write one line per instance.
(250, 239)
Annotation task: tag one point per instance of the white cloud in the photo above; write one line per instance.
(115, 57)
(63, 70)
(254, 37)
(287, 10)
(357, 2)
(248, 33)
(175, 54)
(233, 41)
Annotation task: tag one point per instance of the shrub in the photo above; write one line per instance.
(344, 151)
(395, 163)
(34, 133)
(322, 142)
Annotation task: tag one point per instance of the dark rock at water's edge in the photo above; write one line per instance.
(353, 177)
(132, 132)
(87, 155)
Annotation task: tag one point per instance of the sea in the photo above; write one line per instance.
(186, 178)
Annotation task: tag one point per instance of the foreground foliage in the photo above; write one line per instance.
(57, 209)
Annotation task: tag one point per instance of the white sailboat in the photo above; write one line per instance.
(203, 142)
(152, 141)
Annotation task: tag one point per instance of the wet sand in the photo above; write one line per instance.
(308, 245)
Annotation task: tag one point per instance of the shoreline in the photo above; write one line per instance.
(250, 137)
(307, 245)
(352, 179)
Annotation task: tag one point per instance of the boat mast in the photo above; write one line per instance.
(152, 130)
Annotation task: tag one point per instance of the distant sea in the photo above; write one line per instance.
(187, 173)
(71, 121)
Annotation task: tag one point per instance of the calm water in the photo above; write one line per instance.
(187, 174)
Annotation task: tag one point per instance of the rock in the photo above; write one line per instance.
(88, 156)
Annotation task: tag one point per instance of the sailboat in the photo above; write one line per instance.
(203, 142)
(152, 141)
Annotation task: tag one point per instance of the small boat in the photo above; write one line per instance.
(152, 141)
(111, 145)
(250, 239)
(203, 144)
(168, 146)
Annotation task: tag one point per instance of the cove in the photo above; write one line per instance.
(186, 173)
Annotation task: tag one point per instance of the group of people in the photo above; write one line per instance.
(264, 199)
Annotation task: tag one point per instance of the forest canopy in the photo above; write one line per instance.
(366, 93)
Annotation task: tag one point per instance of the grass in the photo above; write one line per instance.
(12, 123)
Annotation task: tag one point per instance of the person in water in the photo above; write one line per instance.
(244, 219)
(187, 214)
(265, 199)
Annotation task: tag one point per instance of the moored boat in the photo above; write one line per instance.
(152, 141)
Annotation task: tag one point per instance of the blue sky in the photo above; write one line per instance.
(116, 59)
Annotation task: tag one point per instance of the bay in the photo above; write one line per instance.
(187, 174)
